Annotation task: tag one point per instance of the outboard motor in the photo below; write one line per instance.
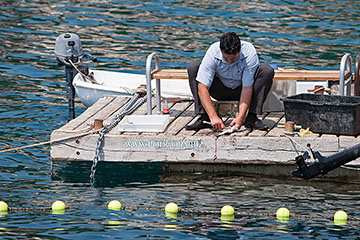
(69, 53)
(68, 47)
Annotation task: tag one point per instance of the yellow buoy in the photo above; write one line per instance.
(340, 218)
(171, 208)
(227, 218)
(227, 210)
(114, 205)
(3, 206)
(283, 213)
(58, 206)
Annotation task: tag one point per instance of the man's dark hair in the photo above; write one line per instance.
(230, 43)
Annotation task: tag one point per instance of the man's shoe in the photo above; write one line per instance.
(253, 122)
(200, 123)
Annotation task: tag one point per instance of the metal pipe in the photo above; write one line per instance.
(356, 76)
(345, 62)
(148, 83)
(322, 165)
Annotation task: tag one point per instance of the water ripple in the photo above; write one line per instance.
(298, 34)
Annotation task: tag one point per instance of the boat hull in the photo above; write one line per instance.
(124, 84)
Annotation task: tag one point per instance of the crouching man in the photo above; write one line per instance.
(230, 71)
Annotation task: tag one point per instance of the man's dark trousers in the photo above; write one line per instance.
(262, 84)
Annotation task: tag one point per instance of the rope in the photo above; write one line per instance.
(237, 213)
(192, 212)
(47, 142)
(128, 109)
(30, 209)
(293, 142)
(91, 79)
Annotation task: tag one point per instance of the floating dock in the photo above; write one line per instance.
(245, 152)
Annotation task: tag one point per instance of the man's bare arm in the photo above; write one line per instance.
(245, 100)
(206, 102)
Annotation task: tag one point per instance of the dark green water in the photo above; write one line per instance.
(292, 34)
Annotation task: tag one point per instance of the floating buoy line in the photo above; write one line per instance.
(171, 210)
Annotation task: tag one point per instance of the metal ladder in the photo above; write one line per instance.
(149, 59)
(345, 65)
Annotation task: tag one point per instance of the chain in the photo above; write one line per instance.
(130, 107)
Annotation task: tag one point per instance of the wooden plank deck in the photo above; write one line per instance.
(245, 152)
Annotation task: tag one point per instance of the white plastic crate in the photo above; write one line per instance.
(144, 123)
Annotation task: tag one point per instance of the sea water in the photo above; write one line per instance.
(290, 34)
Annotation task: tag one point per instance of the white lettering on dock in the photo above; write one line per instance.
(182, 144)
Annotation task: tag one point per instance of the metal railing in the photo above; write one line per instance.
(345, 65)
(148, 83)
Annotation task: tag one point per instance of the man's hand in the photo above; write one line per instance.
(204, 95)
(245, 100)
(237, 121)
(217, 123)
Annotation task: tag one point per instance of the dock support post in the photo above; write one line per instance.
(98, 124)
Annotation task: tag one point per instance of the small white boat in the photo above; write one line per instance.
(121, 83)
